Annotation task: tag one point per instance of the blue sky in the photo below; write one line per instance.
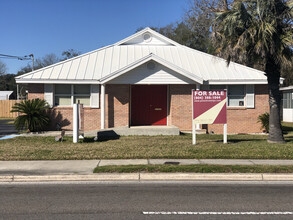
(52, 26)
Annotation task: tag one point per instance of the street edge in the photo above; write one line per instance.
(144, 177)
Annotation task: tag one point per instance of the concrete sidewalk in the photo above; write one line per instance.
(83, 167)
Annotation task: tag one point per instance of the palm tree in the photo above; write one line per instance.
(259, 33)
(33, 115)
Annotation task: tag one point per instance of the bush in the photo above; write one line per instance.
(33, 115)
(264, 119)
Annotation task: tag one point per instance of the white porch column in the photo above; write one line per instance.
(197, 125)
(103, 87)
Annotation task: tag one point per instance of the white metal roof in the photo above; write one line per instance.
(102, 65)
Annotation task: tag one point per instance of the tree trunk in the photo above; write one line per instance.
(275, 129)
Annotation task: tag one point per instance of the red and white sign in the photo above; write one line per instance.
(209, 106)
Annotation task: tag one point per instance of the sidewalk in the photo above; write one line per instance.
(82, 170)
(55, 167)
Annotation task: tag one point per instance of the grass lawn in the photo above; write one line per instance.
(201, 168)
(209, 146)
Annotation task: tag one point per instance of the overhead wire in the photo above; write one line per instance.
(14, 57)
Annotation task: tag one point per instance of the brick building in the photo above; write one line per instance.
(146, 79)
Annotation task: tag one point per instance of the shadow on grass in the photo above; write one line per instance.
(99, 139)
(242, 140)
(287, 128)
(289, 138)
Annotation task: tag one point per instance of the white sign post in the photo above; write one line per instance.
(75, 122)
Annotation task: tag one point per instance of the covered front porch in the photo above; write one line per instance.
(134, 106)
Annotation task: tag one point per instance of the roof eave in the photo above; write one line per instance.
(56, 81)
(237, 81)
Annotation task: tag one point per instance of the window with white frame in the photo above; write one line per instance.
(66, 95)
(63, 95)
(238, 95)
(287, 100)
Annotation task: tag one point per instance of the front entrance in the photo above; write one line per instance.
(148, 105)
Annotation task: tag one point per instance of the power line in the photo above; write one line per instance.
(27, 57)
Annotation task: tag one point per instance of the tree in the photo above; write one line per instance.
(70, 53)
(259, 32)
(33, 115)
(7, 82)
(47, 60)
(287, 73)
(3, 68)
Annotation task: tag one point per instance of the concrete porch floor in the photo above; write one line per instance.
(119, 131)
(142, 130)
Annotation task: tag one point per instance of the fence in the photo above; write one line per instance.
(5, 107)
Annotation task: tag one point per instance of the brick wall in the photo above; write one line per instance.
(240, 120)
(180, 106)
(117, 105)
(116, 109)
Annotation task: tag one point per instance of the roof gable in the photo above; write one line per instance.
(147, 37)
(152, 57)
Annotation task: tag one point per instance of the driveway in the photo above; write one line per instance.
(7, 127)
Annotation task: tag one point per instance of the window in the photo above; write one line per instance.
(82, 94)
(236, 95)
(287, 100)
(62, 95)
(66, 95)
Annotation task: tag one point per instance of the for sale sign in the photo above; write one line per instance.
(209, 106)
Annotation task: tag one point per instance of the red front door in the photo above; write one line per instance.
(149, 105)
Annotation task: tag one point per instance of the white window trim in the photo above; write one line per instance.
(245, 97)
(72, 96)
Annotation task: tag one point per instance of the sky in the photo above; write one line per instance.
(42, 27)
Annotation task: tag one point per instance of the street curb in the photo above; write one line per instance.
(200, 176)
(137, 177)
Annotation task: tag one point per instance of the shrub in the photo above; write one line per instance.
(33, 115)
(264, 120)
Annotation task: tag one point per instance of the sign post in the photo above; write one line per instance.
(75, 122)
(209, 107)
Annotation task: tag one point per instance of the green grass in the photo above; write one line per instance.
(135, 147)
(201, 168)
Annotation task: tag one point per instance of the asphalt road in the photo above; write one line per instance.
(7, 129)
(129, 201)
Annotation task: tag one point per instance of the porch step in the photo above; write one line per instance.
(201, 131)
(139, 130)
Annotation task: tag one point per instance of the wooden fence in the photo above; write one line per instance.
(5, 107)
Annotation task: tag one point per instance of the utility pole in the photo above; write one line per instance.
(33, 60)
(32, 56)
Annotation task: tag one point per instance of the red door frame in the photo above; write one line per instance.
(146, 107)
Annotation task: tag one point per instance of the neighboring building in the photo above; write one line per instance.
(4, 95)
(146, 79)
(287, 103)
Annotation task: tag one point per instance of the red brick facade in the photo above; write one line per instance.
(117, 106)
(243, 120)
